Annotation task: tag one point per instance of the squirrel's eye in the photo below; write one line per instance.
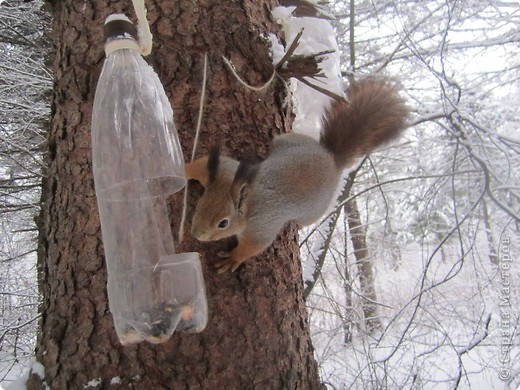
(223, 224)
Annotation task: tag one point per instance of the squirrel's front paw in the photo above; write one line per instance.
(228, 264)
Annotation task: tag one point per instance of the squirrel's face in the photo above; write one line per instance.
(216, 216)
(222, 210)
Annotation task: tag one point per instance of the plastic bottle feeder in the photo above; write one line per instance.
(137, 164)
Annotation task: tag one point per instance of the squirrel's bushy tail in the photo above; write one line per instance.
(373, 115)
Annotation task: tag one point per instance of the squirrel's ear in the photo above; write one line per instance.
(197, 170)
(241, 187)
(213, 163)
(204, 169)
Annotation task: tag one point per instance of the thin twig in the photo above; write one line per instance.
(294, 45)
(322, 90)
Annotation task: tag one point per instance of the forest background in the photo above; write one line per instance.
(419, 273)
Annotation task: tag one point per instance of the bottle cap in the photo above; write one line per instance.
(120, 33)
(120, 28)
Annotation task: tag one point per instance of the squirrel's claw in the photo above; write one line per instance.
(226, 265)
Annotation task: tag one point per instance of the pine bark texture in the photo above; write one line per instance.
(257, 336)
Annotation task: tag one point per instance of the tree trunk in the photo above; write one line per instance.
(257, 335)
(492, 248)
(364, 265)
(348, 317)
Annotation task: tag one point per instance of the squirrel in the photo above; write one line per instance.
(297, 180)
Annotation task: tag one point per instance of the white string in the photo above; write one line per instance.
(201, 106)
(184, 211)
(256, 89)
(144, 33)
(195, 144)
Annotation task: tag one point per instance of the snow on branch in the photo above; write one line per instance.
(311, 61)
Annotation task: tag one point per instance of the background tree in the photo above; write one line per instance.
(258, 335)
(433, 206)
(24, 91)
(440, 309)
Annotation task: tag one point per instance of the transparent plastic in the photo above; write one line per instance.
(137, 164)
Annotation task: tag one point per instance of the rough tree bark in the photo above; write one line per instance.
(257, 335)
